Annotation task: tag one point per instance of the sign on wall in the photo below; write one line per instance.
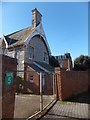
(9, 76)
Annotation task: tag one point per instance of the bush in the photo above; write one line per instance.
(19, 84)
(82, 63)
(53, 62)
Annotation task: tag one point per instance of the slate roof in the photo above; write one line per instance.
(17, 38)
(42, 64)
(36, 68)
(46, 66)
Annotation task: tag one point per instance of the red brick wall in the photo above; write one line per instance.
(71, 82)
(8, 92)
(31, 87)
(34, 87)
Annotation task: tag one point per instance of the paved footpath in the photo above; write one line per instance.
(69, 110)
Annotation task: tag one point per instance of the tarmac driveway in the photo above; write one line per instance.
(27, 105)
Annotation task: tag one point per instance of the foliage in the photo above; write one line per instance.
(53, 62)
(19, 84)
(82, 63)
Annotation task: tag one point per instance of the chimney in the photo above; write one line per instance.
(36, 17)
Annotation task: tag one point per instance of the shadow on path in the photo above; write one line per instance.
(80, 98)
(63, 117)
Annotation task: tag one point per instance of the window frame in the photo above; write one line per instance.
(31, 79)
(45, 57)
(31, 54)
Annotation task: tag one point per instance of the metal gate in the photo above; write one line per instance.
(34, 92)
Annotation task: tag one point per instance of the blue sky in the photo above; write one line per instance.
(65, 24)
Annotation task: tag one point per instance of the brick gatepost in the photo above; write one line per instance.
(9, 68)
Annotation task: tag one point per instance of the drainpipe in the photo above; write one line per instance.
(53, 85)
(41, 96)
(68, 65)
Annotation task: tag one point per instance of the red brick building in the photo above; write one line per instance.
(32, 77)
(65, 61)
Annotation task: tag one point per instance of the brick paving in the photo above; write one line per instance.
(69, 110)
(77, 107)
